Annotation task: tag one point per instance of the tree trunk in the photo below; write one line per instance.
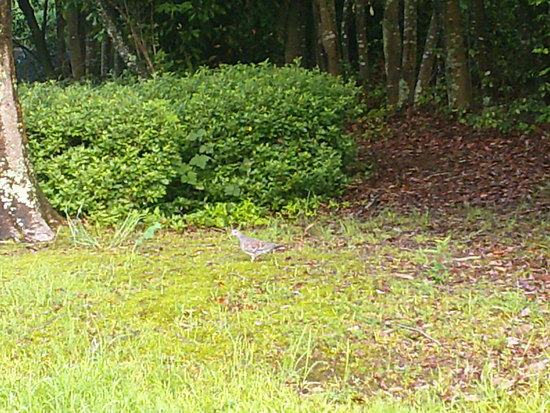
(129, 58)
(319, 52)
(61, 49)
(392, 49)
(76, 54)
(408, 65)
(458, 81)
(480, 24)
(362, 41)
(329, 35)
(295, 31)
(344, 29)
(38, 39)
(428, 57)
(92, 53)
(106, 57)
(22, 211)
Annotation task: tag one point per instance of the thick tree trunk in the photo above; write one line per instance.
(76, 54)
(22, 211)
(392, 49)
(329, 34)
(38, 39)
(428, 57)
(458, 81)
(295, 31)
(408, 65)
(362, 41)
(129, 58)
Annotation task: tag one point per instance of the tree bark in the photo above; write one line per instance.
(295, 31)
(408, 64)
(38, 39)
(319, 52)
(344, 29)
(481, 24)
(22, 211)
(61, 49)
(362, 41)
(106, 57)
(392, 49)
(129, 58)
(428, 57)
(74, 43)
(329, 35)
(458, 81)
(92, 55)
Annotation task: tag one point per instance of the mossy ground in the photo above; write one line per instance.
(390, 314)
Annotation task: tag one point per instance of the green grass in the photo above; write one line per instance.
(377, 316)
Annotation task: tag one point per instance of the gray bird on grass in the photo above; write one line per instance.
(252, 246)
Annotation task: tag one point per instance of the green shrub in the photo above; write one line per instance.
(246, 132)
(102, 152)
(259, 132)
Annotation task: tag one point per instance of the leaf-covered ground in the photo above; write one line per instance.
(379, 307)
(461, 177)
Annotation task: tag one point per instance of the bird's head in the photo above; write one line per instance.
(236, 232)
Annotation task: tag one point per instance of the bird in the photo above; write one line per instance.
(253, 246)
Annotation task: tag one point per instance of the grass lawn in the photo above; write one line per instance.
(390, 314)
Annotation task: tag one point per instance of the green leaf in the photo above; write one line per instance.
(199, 161)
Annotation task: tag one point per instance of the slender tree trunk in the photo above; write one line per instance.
(38, 39)
(129, 58)
(320, 57)
(362, 41)
(408, 65)
(481, 25)
(392, 49)
(106, 56)
(428, 57)
(61, 49)
(22, 211)
(76, 54)
(329, 35)
(458, 81)
(295, 31)
(118, 64)
(344, 29)
(92, 53)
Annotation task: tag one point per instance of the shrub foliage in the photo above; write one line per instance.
(244, 132)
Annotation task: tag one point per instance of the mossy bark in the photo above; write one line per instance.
(458, 76)
(329, 35)
(24, 213)
(129, 58)
(408, 65)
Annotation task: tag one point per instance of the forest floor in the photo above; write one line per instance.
(424, 291)
(450, 170)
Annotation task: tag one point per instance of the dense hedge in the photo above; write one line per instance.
(267, 134)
